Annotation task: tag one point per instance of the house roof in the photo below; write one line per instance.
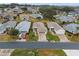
(54, 25)
(66, 18)
(71, 28)
(8, 24)
(69, 18)
(23, 26)
(40, 27)
(36, 15)
(38, 24)
(24, 16)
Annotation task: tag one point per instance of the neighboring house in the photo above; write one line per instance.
(24, 17)
(33, 9)
(54, 27)
(58, 12)
(23, 26)
(72, 28)
(39, 16)
(7, 18)
(38, 27)
(17, 10)
(76, 10)
(66, 18)
(9, 24)
(73, 13)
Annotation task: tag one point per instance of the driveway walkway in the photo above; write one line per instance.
(71, 52)
(6, 52)
(42, 37)
(63, 38)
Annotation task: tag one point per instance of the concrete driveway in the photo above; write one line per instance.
(63, 38)
(71, 52)
(6, 52)
(42, 37)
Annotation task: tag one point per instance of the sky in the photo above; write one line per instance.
(39, 1)
(64, 2)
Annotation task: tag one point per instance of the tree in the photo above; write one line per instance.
(13, 32)
(48, 13)
(67, 9)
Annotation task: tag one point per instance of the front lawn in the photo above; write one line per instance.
(51, 52)
(6, 38)
(32, 36)
(51, 37)
(23, 52)
(72, 37)
(38, 52)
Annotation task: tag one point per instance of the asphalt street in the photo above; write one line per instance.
(39, 45)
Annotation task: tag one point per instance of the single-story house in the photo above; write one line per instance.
(33, 9)
(72, 28)
(37, 16)
(9, 24)
(23, 26)
(17, 10)
(72, 13)
(54, 27)
(38, 27)
(66, 18)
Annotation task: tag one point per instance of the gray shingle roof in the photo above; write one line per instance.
(23, 26)
(71, 28)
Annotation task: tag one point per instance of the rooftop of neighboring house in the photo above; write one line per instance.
(54, 25)
(73, 28)
(9, 24)
(66, 18)
(36, 16)
(22, 16)
(23, 26)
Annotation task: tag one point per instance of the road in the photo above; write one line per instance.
(39, 45)
(7, 52)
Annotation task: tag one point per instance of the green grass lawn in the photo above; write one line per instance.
(23, 52)
(72, 37)
(32, 36)
(9, 38)
(51, 37)
(38, 52)
(51, 52)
